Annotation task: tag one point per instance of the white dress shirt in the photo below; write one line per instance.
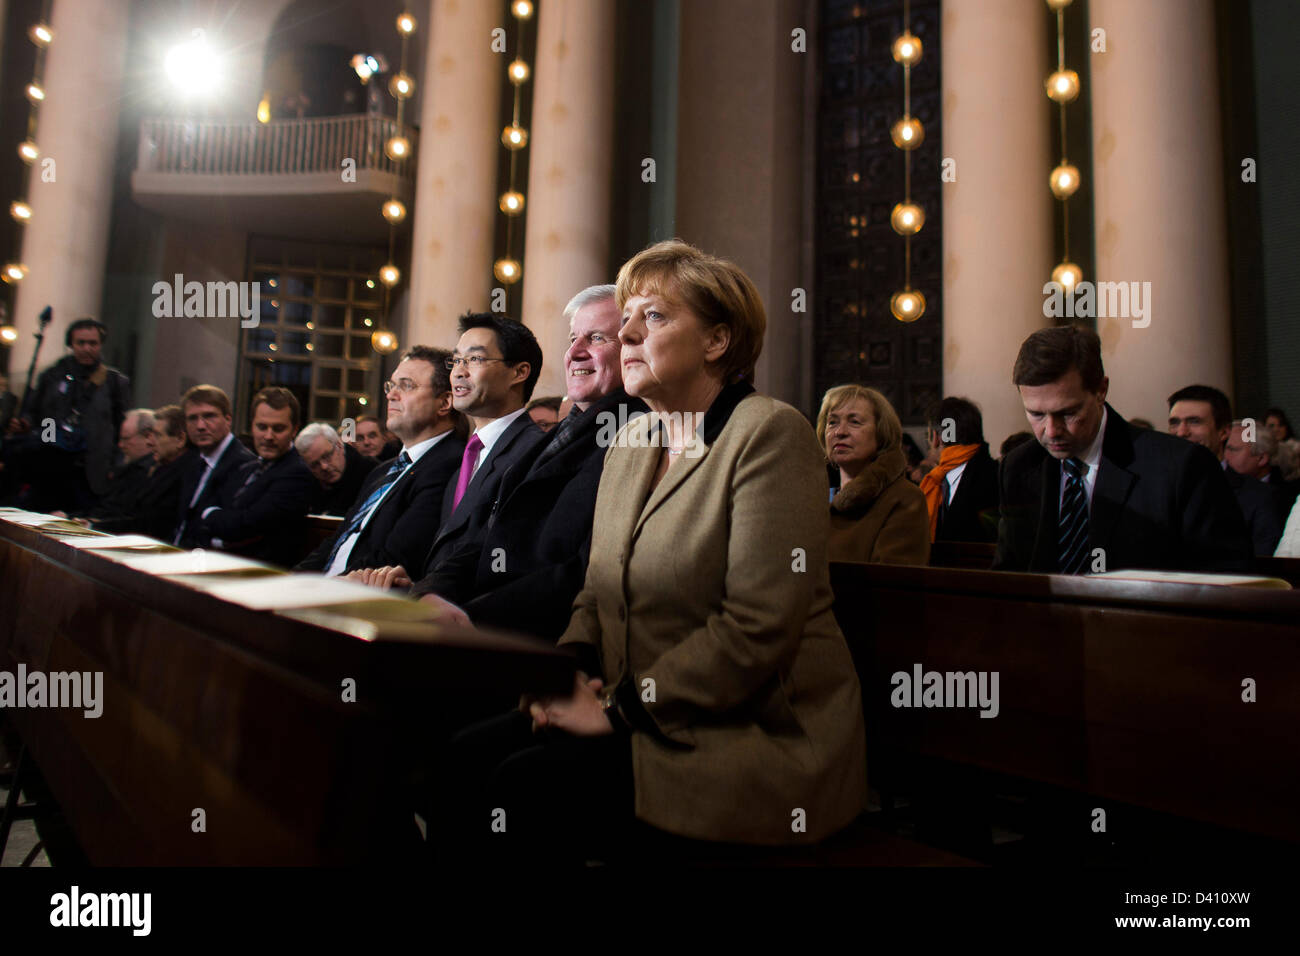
(415, 452)
(1093, 460)
(952, 478)
(210, 463)
(489, 434)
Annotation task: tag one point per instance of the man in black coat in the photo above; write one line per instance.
(263, 512)
(967, 475)
(395, 528)
(530, 565)
(214, 459)
(340, 470)
(1094, 493)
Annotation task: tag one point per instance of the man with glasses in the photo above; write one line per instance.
(399, 507)
(493, 372)
(340, 469)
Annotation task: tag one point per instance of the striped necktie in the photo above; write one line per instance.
(396, 471)
(1073, 538)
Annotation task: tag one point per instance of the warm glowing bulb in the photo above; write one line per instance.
(907, 49)
(383, 341)
(394, 211)
(514, 137)
(14, 272)
(522, 9)
(390, 275)
(28, 151)
(35, 93)
(1058, 4)
(401, 85)
(907, 133)
(1063, 86)
(398, 147)
(512, 203)
(1064, 181)
(41, 34)
(507, 270)
(1067, 275)
(8, 334)
(518, 71)
(907, 218)
(20, 210)
(907, 306)
(406, 24)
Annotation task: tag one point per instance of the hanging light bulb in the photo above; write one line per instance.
(519, 72)
(1058, 4)
(507, 270)
(390, 275)
(20, 211)
(397, 147)
(512, 203)
(1063, 86)
(14, 272)
(28, 151)
(522, 9)
(383, 341)
(35, 93)
(907, 133)
(907, 218)
(406, 24)
(1064, 181)
(1067, 275)
(907, 306)
(8, 334)
(907, 49)
(514, 136)
(41, 34)
(402, 85)
(394, 211)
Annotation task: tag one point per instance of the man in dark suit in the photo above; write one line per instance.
(528, 569)
(399, 507)
(339, 469)
(130, 479)
(214, 458)
(493, 371)
(1094, 493)
(263, 511)
(1202, 414)
(961, 492)
(1251, 450)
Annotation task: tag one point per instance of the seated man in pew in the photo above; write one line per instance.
(262, 512)
(397, 510)
(215, 459)
(339, 469)
(154, 511)
(1094, 493)
(961, 492)
(129, 478)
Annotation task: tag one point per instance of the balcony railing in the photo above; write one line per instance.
(281, 147)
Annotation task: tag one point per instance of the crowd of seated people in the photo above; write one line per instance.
(661, 519)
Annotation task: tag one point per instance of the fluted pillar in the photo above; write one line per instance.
(997, 215)
(66, 243)
(1159, 199)
(566, 242)
(456, 177)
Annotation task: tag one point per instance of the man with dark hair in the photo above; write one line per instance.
(1202, 414)
(496, 364)
(545, 411)
(71, 420)
(1093, 493)
(399, 507)
(262, 512)
(961, 492)
(214, 458)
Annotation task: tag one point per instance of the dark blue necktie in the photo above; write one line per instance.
(1073, 539)
(397, 469)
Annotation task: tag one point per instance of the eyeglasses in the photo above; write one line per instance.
(473, 361)
(403, 385)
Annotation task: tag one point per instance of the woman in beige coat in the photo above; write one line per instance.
(877, 515)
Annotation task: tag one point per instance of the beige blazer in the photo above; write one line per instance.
(711, 594)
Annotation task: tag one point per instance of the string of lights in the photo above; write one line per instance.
(1063, 87)
(514, 138)
(907, 218)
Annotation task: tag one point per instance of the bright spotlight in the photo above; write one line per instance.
(193, 66)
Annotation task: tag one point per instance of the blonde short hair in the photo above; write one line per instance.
(716, 290)
(889, 430)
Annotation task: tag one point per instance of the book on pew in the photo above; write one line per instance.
(1195, 577)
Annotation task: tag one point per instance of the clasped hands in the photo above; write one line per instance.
(579, 714)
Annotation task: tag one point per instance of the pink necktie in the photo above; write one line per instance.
(472, 448)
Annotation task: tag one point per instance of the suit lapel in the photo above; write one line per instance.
(1114, 481)
(1047, 541)
(677, 473)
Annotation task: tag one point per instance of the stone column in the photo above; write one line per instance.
(70, 187)
(998, 243)
(566, 242)
(456, 177)
(1159, 199)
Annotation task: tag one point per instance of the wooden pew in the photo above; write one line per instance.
(1128, 692)
(240, 713)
